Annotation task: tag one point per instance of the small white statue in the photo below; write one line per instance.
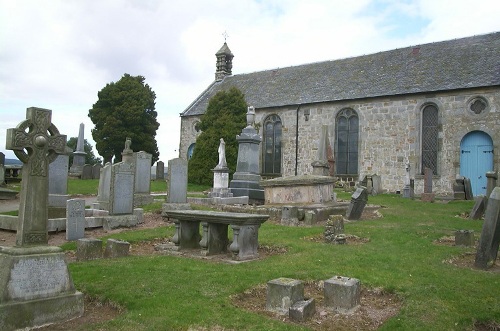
(222, 154)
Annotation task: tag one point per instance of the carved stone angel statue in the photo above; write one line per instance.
(222, 154)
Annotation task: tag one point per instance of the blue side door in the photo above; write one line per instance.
(476, 158)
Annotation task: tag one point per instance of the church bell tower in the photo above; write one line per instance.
(224, 62)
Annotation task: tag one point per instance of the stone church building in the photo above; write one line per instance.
(431, 106)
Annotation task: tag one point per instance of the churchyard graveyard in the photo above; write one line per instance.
(411, 274)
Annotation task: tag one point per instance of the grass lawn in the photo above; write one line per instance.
(176, 293)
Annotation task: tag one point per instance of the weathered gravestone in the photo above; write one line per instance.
(87, 172)
(142, 190)
(487, 249)
(491, 182)
(427, 196)
(468, 189)
(58, 185)
(96, 171)
(177, 181)
(334, 230)
(75, 219)
(321, 166)
(35, 285)
(2, 169)
(478, 208)
(104, 189)
(160, 170)
(122, 189)
(459, 189)
(358, 202)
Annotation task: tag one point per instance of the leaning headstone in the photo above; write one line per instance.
(468, 189)
(342, 294)
(121, 200)
(358, 202)
(427, 196)
(160, 170)
(35, 283)
(487, 249)
(96, 171)
(116, 248)
(142, 190)
(75, 219)
(88, 249)
(79, 154)
(282, 293)
(478, 208)
(464, 238)
(87, 172)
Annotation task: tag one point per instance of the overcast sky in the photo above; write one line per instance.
(59, 54)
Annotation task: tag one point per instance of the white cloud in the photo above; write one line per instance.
(58, 54)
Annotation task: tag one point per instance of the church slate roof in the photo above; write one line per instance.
(448, 65)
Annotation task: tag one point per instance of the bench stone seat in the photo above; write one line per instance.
(215, 231)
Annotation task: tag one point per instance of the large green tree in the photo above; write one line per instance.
(90, 158)
(224, 118)
(125, 109)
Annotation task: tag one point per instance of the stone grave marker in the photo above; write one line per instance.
(459, 189)
(2, 169)
(79, 154)
(75, 219)
(342, 294)
(160, 170)
(377, 184)
(58, 185)
(427, 196)
(358, 202)
(87, 172)
(35, 279)
(478, 208)
(142, 189)
(177, 181)
(487, 249)
(96, 171)
(321, 166)
(122, 188)
(491, 182)
(464, 238)
(468, 189)
(103, 191)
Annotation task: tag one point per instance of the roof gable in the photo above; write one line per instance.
(448, 65)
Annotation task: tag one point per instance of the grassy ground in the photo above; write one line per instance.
(176, 293)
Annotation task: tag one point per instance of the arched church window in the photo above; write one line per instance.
(190, 151)
(346, 142)
(430, 132)
(272, 145)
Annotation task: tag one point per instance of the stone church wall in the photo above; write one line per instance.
(389, 135)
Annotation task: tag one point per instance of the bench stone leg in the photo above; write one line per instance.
(217, 238)
(204, 235)
(235, 248)
(177, 234)
(189, 235)
(248, 242)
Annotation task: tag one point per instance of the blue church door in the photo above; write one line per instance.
(476, 158)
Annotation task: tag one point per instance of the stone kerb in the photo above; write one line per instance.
(88, 249)
(116, 248)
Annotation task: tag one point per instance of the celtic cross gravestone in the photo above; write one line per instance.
(36, 142)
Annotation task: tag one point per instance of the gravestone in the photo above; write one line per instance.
(88, 249)
(282, 293)
(377, 184)
(478, 208)
(104, 189)
(491, 182)
(247, 177)
(487, 249)
(2, 169)
(342, 294)
(116, 248)
(58, 185)
(358, 202)
(334, 229)
(468, 189)
(35, 285)
(464, 238)
(459, 189)
(75, 219)
(79, 154)
(321, 166)
(87, 172)
(177, 181)
(427, 196)
(96, 171)
(142, 189)
(160, 170)
(121, 200)
(290, 215)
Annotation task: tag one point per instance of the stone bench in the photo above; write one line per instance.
(215, 231)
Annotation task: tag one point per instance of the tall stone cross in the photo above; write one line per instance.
(36, 142)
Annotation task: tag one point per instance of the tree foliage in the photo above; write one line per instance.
(125, 109)
(90, 158)
(224, 118)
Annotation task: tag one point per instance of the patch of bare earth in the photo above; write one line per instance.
(377, 306)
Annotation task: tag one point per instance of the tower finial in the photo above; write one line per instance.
(225, 35)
